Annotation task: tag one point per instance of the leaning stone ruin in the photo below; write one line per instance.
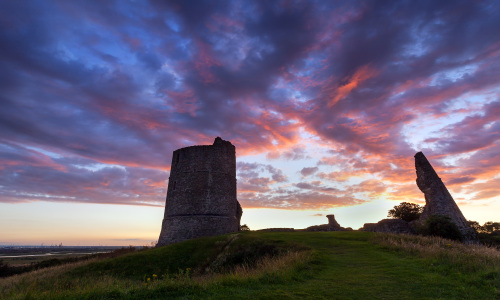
(201, 195)
(438, 200)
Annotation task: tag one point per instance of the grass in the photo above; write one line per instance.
(277, 265)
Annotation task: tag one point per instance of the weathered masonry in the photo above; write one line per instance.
(201, 195)
(438, 201)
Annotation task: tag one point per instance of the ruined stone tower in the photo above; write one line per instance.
(201, 194)
(438, 200)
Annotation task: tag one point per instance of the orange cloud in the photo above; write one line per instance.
(363, 73)
(407, 192)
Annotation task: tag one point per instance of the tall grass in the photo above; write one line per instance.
(479, 264)
(26, 285)
(268, 269)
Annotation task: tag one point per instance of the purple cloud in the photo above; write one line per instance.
(308, 171)
(99, 94)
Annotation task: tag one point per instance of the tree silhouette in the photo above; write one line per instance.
(406, 211)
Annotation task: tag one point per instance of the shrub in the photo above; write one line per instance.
(442, 226)
(406, 211)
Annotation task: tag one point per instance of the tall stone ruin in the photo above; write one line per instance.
(201, 195)
(438, 200)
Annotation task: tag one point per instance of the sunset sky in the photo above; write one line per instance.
(326, 102)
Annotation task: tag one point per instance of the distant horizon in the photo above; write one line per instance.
(57, 246)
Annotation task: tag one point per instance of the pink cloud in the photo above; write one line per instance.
(308, 171)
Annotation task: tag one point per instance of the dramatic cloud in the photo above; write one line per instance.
(325, 101)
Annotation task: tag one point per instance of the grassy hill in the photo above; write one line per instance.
(277, 265)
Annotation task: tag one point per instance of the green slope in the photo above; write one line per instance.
(273, 265)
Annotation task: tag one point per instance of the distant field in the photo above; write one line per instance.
(277, 265)
(21, 256)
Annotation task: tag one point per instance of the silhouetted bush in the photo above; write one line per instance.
(7, 270)
(442, 226)
(4, 269)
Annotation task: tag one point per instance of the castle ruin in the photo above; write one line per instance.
(201, 195)
(438, 201)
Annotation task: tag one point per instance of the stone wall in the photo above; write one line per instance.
(389, 226)
(277, 229)
(201, 195)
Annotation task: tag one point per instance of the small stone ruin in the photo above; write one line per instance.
(331, 226)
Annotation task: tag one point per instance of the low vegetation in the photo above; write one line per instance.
(268, 265)
(7, 270)
(446, 254)
(441, 226)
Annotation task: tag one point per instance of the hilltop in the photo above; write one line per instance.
(281, 265)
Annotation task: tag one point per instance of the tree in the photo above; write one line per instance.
(244, 227)
(406, 211)
(491, 227)
(475, 225)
